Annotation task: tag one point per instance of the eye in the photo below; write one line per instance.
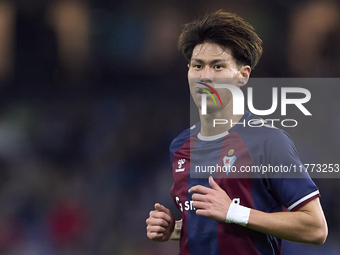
(218, 67)
(197, 66)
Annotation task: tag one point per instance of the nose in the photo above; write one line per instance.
(206, 75)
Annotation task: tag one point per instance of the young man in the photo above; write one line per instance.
(237, 213)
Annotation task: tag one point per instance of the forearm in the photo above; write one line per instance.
(298, 226)
(307, 224)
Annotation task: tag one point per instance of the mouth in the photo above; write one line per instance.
(200, 90)
(205, 89)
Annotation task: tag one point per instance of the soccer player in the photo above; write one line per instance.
(232, 212)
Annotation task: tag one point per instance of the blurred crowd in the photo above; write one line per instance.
(93, 92)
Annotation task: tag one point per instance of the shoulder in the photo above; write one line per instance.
(183, 137)
(267, 142)
(261, 131)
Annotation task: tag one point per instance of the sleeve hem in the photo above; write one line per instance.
(304, 200)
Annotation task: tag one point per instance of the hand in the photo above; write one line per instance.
(160, 224)
(211, 202)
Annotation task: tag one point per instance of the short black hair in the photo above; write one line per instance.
(227, 30)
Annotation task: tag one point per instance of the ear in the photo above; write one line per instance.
(244, 75)
(188, 66)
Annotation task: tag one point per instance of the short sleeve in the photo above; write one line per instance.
(291, 184)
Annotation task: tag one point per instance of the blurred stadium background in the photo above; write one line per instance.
(93, 92)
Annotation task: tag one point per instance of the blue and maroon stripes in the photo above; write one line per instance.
(251, 147)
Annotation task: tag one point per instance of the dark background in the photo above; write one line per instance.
(93, 92)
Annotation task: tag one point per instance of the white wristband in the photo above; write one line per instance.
(238, 214)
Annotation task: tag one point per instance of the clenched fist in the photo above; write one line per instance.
(160, 224)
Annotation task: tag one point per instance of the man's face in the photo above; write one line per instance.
(211, 64)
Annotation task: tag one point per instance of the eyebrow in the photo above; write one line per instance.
(211, 62)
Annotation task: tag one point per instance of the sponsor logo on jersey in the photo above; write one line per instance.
(186, 206)
(180, 164)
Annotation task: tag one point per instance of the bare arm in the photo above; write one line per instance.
(306, 225)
